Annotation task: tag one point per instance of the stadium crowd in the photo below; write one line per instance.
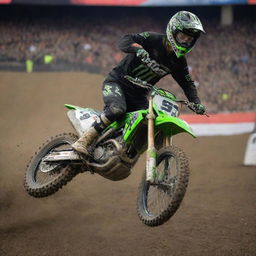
(222, 63)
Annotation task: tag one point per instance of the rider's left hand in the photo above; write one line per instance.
(142, 53)
(199, 108)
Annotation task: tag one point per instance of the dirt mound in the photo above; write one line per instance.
(95, 216)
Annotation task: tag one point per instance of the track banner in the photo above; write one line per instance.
(221, 124)
(5, 1)
(130, 2)
(157, 2)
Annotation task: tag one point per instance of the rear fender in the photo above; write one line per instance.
(69, 106)
(81, 118)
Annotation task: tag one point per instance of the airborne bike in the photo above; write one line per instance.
(114, 153)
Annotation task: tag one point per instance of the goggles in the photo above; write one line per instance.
(185, 40)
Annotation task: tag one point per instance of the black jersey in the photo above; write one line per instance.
(161, 63)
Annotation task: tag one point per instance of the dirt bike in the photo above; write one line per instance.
(117, 149)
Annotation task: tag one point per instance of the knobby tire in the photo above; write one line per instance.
(65, 174)
(176, 196)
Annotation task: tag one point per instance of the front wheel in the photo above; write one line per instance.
(44, 178)
(158, 202)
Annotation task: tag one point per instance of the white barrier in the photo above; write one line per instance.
(221, 129)
(227, 124)
(250, 152)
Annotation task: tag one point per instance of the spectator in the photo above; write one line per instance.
(223, 63)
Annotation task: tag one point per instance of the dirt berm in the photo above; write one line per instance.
(93, 216)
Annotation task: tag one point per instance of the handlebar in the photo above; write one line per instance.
(190, 105)
(144, 84)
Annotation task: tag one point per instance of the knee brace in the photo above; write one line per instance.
(114, 111)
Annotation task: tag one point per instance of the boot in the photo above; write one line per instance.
(85, 140)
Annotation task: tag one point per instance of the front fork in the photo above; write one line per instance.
(151, 172)
(151, 151)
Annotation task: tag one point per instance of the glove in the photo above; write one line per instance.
(142, 53)
(199, 108)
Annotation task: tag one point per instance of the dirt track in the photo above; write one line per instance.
(94, 216)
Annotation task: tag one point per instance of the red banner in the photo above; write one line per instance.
(5, 1)
(243, 117)
(109, 2)
(129, 2)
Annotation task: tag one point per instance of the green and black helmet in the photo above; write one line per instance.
(183, 29)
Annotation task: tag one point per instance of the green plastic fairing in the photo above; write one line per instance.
(172, 125)
(131, 122)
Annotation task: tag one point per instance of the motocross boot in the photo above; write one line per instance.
(85, 140)
(82, 144)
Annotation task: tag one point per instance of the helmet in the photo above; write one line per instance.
(183, 29)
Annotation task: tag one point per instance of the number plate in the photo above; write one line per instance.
(166, 105)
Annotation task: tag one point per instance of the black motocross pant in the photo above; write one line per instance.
(120, 98)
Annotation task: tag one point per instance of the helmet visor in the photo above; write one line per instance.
(185, 40)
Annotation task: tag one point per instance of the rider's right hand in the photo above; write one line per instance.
(142, 53)
(199, 108)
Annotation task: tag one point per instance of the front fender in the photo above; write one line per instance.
(172, 125)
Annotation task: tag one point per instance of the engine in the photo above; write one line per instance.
(104, 152)
(111, 160)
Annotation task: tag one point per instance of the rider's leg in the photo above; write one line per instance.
(136, 98)
(89, 136)
(115, 106)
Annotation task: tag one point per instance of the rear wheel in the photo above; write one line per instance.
(158, 202)
(44, 178)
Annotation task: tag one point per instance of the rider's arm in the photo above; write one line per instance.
(183, 78)
(132, 42)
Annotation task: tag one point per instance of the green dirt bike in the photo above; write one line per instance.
(116, 151)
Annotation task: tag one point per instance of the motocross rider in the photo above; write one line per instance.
(150, 56)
